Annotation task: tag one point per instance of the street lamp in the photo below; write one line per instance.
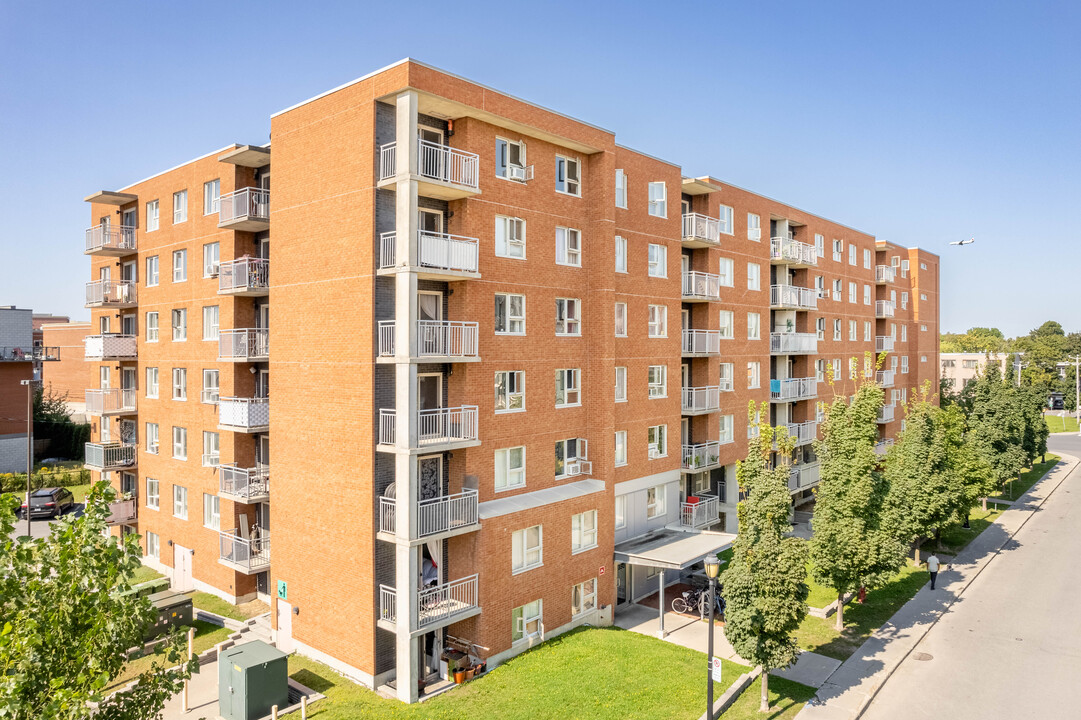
(713, 569)
(29, 445)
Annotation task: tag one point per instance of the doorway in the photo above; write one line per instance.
(182, 579)
(430, 426)
(622, 596)
(284, 623)
(430, 338)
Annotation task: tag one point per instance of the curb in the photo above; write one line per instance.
(733, 692)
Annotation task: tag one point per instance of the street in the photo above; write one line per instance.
(41, 527)
(1009, 647)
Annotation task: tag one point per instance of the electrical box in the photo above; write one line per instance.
(174, 610)
(252, 678)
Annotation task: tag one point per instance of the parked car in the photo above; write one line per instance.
(49, 502)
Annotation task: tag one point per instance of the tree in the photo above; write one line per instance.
(852, 546)
(765, 586)
(975, 340)
(1031, 401)
(67, 621)
(997, 425)
(49, 406)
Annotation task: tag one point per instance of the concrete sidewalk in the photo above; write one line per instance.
(846, 693)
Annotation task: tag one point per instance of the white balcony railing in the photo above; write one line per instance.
(245, 204)
(244, 274)
(884, 274)
(701, 399)
(434, 162)
(244, 344)
(109, 456)
(434, 604)
(802, 433)
(434, 427)
(435, 338)
(793, 343)
(784, 249)
(435, 515)
(110, 292)
(699, 514)
(109, 239)
(793, 389)
(245, 484)
(701, 285)
(882, 446)
(438, 251)
(883, 343)
(110, 401)
(701, 342)
(123, 512)
(883, 309)
(701, 455)
(36, 353)
(388, 604)
(790, 296)
(110, 347)
(884, 378)
(701, 228)
(885, 415)
(803, 476)
(244, 413)
(247, 554)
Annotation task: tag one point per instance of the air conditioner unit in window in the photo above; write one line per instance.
(654, 453)
(520, 174)
(572, 469)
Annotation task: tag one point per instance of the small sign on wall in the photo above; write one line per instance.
(283, 590)
(601, 571)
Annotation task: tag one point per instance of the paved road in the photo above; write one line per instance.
(1010, 647)
(41, 527)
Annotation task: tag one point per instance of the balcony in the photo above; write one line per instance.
(701, 231)
(247, 209)
(247, 415)
(793, 343)
(802, 433)
(700, 400)
(790, 297)
(443, 516)
(883, 343)
(110, 293)
(885, 415)
(246, 555)
(701, 286)
(123, 512)
(884, 274)
(699, 511)
(439, 256)
(110, 401)
(701, 456)
(803, 476)
(249, 277)
(436, 606)
(38, 353)
(701, 343)
(442, 171)
(883, 309)
(106, 457)
(244, 345)
(882, 446)
(793, 389)
(437, 429)
(787, 251)
(110, 347)
(884, 378)
(438, 341)
(244, 485)
(111, 240)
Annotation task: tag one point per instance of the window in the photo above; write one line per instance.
(867, 331)
(852, 292)
(568, 453)
(526, 549)
(152, 438)
(658, 381)
(621, 254)
(621, 512)
(727, 272)
(838, 288)
(655, 501)
(510, 160)
(820, 370)
(820, 245)
(211, 197)
(754, 276)
(837, 248)
(658, 321)
(510, 468)
(836, 368)
(509, 391)
(583, 531)
(820, 287)
(837, 329)
(180, 502)
(180, 325)
(211, 511)
(152, 382)
(923, 358)
(509, 237)
(211, 259)
(853, 368)
(180, 265)
(658, 199)
(904, 364)
(621, 319)
(153, 497)
(727, 329)
(754, 326)
(851, 330)
(152, 216)
(210, 387)
(867, 258)
(866, 294)
(153, 545)
(621, 189)
(180, 443)
(904, 268)
(568, 316)
(904, 333)
(923, 266)
(621, 384)
(727, 424)
(568, 388)
(658, 260)
(923, 297)
(568, 247)
(180, 206)
(868, 369)
(152, 271)
(727, 372)
(657, 441)
(583, 597)
(568, 178)
(851, 254)
(754, 374)
(210, 322)
(151, 327)
(754, 227)
(725, 221)
(509, 314)
(180, 384)
(923, 328)
(621, 448)
(526, 621)
(820, 328)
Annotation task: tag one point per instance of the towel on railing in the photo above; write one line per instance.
(775, 386)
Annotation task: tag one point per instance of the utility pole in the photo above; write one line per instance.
(1077, 388)
(29, 445)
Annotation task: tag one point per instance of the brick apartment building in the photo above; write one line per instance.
(511, 362)
(67, 377)
(20, 358)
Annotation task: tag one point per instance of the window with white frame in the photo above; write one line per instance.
(754, 276)
(509, 314)
(621, 254)
(180, 384)
(568, 391)
(152, 382)
(837, 329)
(583, 597)
(754, 326)
(621, 512)
(923, 266)
(893, 330)
(923, 297)
(657, 441)
(851, 330)
(727, 272)
(923, 358)
(658, 381)
(853, 368)
(727, 374)
(838, 248)
(820, 287)
(904, 364)
(727, 431)
(655, 501)
(153, 493)
(180, 265)
(152, 438)
(820, 370)
(904, 268)
(893, 363)
(621, 384)
(754, 227)
(568, 176)
(727, 225)
(836, 368)
(852, 291)
(838, 288)
(820, 328)
(867, 258)
(866, 294)
(621, 319)
(923, 328)
(526, 621)
(621, 189)
(583, 531)
(568, 316)
(568, 453)
(904, 333)
(727, 325)
(153, 545)
(180, 502)
(151, 327)
(510, 159)
(526, 549)
(868, 369)
(509, 391)
(180, 325)
(658, 260)
(510, 468)
(180, 206)
(568, 247)
(210, 322)
(867, 337)
(621, 448)
(893, 298)
(152, 271)
(211, 259)
(152, 216)
(211, 511)
(658, 199)
(754, 374)
(852, 253)
(210, 392)
(658, 321)
(820, 245)
(510, 237)
(211, 197)
(752, 425)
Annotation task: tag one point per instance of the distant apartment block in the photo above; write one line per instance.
(959, 369)
(19, 355)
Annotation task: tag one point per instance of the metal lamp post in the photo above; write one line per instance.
(713, 569)
(29, 445)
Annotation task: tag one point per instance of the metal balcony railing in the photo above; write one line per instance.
(388, 604)
(701, 285)
(802, 433)
(437, 426)
(701, 342)
(110, 239)
(884, 309)
(111, 347)
(793, 389)
(435, 338)
(803, 476)
(244, 414)
(885, 415)
(434, 604)
(700, 399)
(793, 343)
(435, 515)
(701, 513)
(701, 228)
(244, 344)
(244, 274)
(248, 555)
(882, 446)
(435, 162)
(123, 512)
(35, 353)
(883, 343)
(438, 251)
(110, 292)
(248, 203)
(884, 274)
(110, 401)
(247, 485)
(109, 456)
(884, 378)
(785, 249)
(701, 456)
(790, 296)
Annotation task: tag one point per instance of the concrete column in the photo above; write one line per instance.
(660, 603)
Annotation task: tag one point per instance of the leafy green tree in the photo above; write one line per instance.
(852, 546)
(49, 405)
(67, 621)
(975, 340)
(997, 425)
(1036, 430)
(765, 585)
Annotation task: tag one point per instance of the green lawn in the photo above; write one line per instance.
(1029, 477)
(586, 673)
(145, 574)
(214, 604)
(206, 637)
(956, 538)
(1056, 424)
(820, 595)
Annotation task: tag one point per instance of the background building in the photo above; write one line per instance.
(961, 368)
(69, 376)
(19, 355)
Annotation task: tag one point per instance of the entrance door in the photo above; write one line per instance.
(431, 338)
(182, 580)
(262, 451)
(285, 626)
(262, 384)
(127, 271)
(430, 397)
(130, 218)
(621, 584)
(431, 161)
(127, 379)
(686, 206)
(128, 325)
(685, 319)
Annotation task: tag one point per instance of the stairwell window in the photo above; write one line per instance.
(621, 384)
(726, 223)
(510, 468)
(621, 319)
(568, 247)
(568, 393)
(658, 321)
(509, 314)
(568, 176)
(658, 381)
(754, 227)
(568, 316)
(527, 549)
(657, 441)
(211, 511)
(621, 448)
(152, 216)
(152, 383)
(509, 391)
(153, 497)
(621, 254)
(621, 189)
(658, 260)
(658, 199)
(151, 327)
(526, 622)
(583, 531)
(180, 206)
(510, 237)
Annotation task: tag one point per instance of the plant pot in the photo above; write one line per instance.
(469, 673)
(482, 666)
(459, 676)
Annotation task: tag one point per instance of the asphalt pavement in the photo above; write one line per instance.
(42, 527)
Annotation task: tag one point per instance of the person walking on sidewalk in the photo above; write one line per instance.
(932, 567)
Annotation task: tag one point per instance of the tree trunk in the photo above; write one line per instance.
(984, 498)
(966, 526)
(764, 705)
(840, 612)
(938, 539)
(916, 553)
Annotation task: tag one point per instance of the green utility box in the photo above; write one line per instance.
(174, 610)
(252, 678)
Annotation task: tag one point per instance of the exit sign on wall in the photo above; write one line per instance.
(283, 590)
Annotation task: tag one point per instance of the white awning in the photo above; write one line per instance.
(672, 549)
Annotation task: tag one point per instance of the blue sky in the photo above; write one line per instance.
(920, 122)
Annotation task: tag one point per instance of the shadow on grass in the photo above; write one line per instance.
(312, 681)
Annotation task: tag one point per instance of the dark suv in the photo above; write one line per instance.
(49, 502)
